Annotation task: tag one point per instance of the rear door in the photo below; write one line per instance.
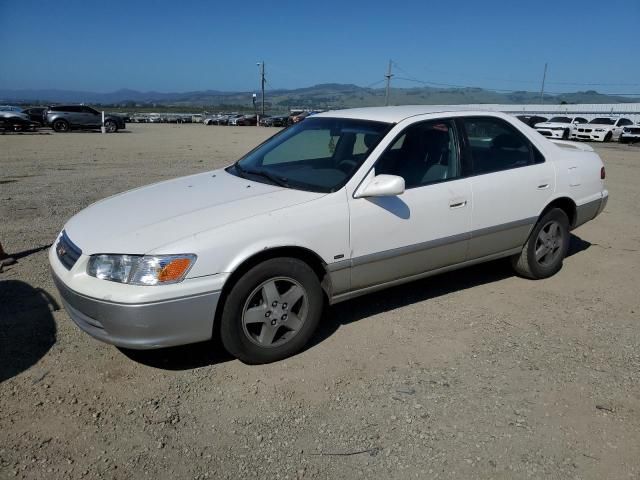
(74, 114)
(511, 183)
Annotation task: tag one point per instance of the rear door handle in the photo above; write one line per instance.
(457, 204)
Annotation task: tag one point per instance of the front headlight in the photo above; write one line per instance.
(141, 270)
(599, 130)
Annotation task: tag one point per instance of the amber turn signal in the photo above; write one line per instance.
(173, 270)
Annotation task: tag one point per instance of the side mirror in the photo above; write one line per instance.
(382, 186)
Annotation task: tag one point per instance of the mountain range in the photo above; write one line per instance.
(324, 96)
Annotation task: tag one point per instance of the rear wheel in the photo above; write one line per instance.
(272, 311)
(61, 126)
(542, 255)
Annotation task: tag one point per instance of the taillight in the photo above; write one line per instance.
(602, 174)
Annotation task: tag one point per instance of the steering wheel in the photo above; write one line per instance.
(347, 166)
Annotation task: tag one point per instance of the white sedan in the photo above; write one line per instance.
(602, 129)
(341, 204)
(559, 127)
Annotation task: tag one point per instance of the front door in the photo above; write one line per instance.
(427, 226)
(91, 117)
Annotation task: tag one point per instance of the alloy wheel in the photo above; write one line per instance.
(548, 245)
(274, 312)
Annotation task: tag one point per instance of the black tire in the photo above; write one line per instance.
(61, 126)
(527, 263)
(607, 137)
(244, 338)
(565, 134)
(110, 126)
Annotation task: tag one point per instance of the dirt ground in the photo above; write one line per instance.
(472, 374)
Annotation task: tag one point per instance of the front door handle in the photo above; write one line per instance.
(459, 204)
(543, 186)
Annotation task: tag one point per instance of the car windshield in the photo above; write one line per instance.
(560, 120)
(319, 154)
(603, 121)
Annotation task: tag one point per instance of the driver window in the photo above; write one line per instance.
(423, 154)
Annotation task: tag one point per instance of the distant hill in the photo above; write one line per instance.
(324, 96)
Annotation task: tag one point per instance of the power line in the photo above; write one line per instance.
(371, 85)
(505, 90)
(512, 80)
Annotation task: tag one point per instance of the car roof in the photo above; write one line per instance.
(397, 114)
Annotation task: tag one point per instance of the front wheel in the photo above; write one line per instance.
(565, 134)
(110, 126)
(607, 137)
(272, 311)
(542, 255)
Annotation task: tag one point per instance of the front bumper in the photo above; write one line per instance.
(176, 321)
(547, 132)
(130, 316)
(629, 137)
(593, 136)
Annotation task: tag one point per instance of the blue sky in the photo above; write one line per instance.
(195, 45)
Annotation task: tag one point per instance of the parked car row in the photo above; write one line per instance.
(61, 118)
(235, 119)
(600, 129)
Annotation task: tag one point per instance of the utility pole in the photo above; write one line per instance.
(262, 82)
(544, 77)
(388, 76)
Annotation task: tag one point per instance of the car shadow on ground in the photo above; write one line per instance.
(26, 253)
(186, 357)
(25, 133)
(211, 353)
(27, 327)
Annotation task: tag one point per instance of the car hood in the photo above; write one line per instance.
(552, 125)
(9, 114)
(148, 218)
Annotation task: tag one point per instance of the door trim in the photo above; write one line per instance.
(336, 270)
(381, 286)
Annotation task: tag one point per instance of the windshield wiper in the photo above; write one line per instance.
(281, 181)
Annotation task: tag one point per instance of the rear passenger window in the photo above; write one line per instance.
(495, 145)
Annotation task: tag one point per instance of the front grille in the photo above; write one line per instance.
(68, 253)
(586, 130)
